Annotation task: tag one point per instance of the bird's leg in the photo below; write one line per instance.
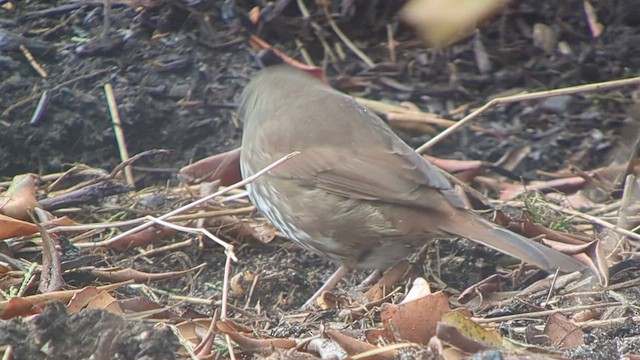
(328, 285)
(371, 280)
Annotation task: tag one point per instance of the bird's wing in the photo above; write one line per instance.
(397, 176)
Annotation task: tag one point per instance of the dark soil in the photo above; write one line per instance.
(177, 68)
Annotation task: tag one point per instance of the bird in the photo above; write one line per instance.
(356, 193)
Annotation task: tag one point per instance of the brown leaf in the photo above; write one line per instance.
(486, 286)
(20, 198)
(416, 320)
(104, 300)
(11, 227)
(224, 167)
(143, 304)
(464, 170)
(18, 306)
(259, 44)
(251, 344)
(354, 346)
(563, 333)
(590, 254)
(80, 299)
(6, 307)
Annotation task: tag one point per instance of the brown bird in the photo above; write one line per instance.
(356, 194)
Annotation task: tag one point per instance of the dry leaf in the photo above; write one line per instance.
(11, 227)
(469, 330)
(415, 320)
(563, 333)
(224, 167)
(17, 201)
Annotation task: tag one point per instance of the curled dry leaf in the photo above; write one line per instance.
(443, 22)
(17, 201)
(120, 274)
(250, 344)
(590, 254)
(224, 167)
(486, 286)
(464, 170)
(259, 44)
(354, 346)
(468, 335)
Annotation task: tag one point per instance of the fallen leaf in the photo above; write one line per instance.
(416, 320)
(250, 344)
(354, 346)
(471, 331)
(563, 333)
(20, 198)
(11, 227)
(224, 167)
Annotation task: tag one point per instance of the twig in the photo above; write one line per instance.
(538, 314)
(32, 61)
(391, 44)
(225, 287)
(117, 129)
(120, 224)
(525, 97)
(40, 107)
(228, 247)
(346, 40)
(595, 220)
(30, 98)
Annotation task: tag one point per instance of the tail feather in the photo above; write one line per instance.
(486, 233)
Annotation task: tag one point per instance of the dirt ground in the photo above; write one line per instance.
(177, 68)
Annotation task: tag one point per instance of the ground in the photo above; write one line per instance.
(177, 68)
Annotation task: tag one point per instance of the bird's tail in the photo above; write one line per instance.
(484, 232)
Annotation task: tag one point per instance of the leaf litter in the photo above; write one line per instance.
(146, 295)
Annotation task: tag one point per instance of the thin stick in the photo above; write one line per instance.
(30, 98)
(117, 129)
(595, 220)
(346, 40)
(225, 287)
(197, 202)
(39, 110)
(32, 61)
(119, 224)
(525, 97)
(538, 314)
(391, 44)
